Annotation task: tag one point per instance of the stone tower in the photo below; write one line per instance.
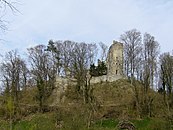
(115, 59)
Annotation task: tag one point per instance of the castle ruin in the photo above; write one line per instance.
(114, 63)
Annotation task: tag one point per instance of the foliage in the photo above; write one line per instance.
(99, 70)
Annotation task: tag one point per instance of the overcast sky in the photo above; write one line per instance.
(88, 21)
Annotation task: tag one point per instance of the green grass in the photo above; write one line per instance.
(159, 124)
(141, 123)
(22, 125)
(152, 124)
(109, 123)
(37, 122)
(47, 122)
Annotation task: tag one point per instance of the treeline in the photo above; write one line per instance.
(142, 62)
(44, 63)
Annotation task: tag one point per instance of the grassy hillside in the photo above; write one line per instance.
(112, 103)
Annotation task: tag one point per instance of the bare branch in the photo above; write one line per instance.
(6, 3)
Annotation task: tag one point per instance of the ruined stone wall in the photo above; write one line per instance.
(60, 88)
(105, 78)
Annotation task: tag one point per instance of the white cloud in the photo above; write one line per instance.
(90, 21)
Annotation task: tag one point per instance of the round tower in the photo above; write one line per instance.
(115, 59)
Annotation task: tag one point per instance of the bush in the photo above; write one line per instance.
(2, 111)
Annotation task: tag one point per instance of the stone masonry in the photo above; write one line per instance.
(115, 59)
(114, 63)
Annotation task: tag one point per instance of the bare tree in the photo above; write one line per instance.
(151, 52)
(43, 72)
(132, 57)
(24, 75)
(81, 59)
(132, 50)
(104, 49)
(12, 74)
(166, 76)
(74, 60)
(67, 51)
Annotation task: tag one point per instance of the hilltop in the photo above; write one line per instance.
(112, 102)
